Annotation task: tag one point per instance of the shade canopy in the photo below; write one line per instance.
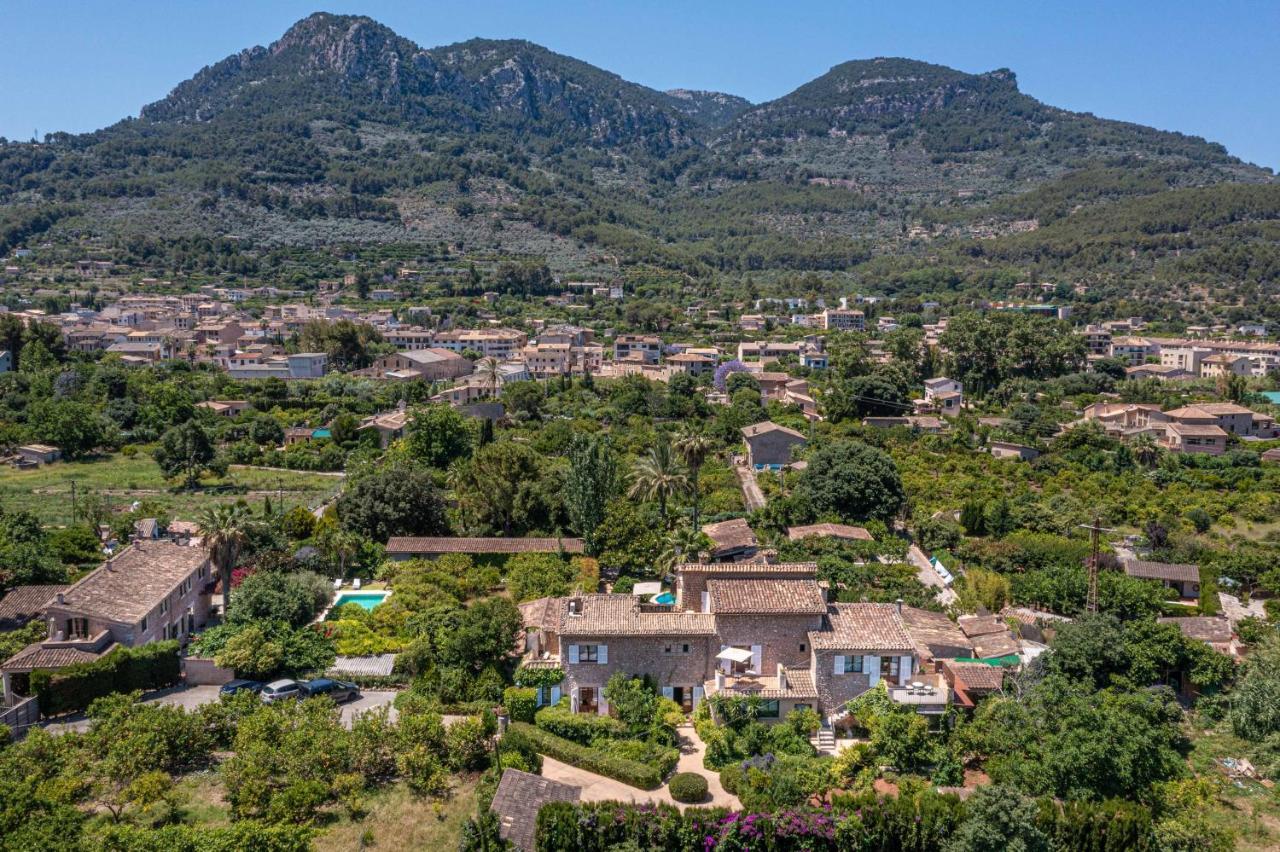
(738, 655)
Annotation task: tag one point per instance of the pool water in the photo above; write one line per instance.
(665, 598)
(368, 600)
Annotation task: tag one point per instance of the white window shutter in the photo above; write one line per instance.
(698, 694)
(724, 664)
(904, 669)
(669, 692)
(873, 668)
(573, 701)
(573, 653)
(839, 667)
(603, 654)
(555, 695)
(706, 602)
(757, 652)
(603, 705)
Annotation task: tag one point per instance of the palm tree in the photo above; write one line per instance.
(490, 372)
(224, 530)
(1146, 450)
(658, 476)
(684, 544)
(694, 446)
(342, 546)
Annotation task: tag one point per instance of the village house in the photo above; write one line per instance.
(732, 540)
(646, 348)
(225, 407)
(744, 629)
(428, 365)
(943, 395)
(38, 453)
(390, 425)
(769, 446)
(1008, 450)
(148, 592)
(500, 343)
(1181, 577)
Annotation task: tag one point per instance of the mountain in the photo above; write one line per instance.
(710, 109)
(344, 133)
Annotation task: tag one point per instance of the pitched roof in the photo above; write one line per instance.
(24, 603)
(766, 595)
(1175, 571)
(1206, 628)
(932, 630)
(829, 531)
(542, 613)
(519, 797)
(977, 675)
(758, 568)
(1197, 430)
(732, 534)
(37, 656)
(767, 427)
(981, 625)
(132, 583)
(445, 544)
(862, 627)
(622, 615)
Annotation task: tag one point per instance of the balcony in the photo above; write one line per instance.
(927, 693)
(795, 684)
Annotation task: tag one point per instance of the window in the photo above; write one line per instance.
(802, 648)
(889, 666)
(588, 653)
(143, 624)
(78, 628)
(164, 606)
(676, 648)
(804, 707)
(768, 710)
(200, 572)
(853, 665)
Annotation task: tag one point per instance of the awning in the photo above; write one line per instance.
(738, 655)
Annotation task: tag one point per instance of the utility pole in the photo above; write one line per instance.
(73, 502)
(1091, 601)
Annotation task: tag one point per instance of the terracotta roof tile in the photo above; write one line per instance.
(831, 531)
(733, 534)
(133, 582)
(519, 797)
(766, 595)
(863, 627)
(39, 657)
(1175, 571)
(621, 615)
(1214, 629)
(977, 675)
(24, 603)
(444, 544)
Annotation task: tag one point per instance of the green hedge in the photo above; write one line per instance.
(593, 760)
(862, 823)
(521, 703)
(73, 689)
(581, 728)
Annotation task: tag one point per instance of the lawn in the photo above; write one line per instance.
(397, 819)
(1247, 807)
(46, 491)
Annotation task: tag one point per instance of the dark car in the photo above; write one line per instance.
(231, 687)
(338, 690)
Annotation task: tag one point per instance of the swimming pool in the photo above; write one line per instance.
(368, 600)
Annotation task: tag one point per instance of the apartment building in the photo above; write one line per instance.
(500, 343)
(646, 348)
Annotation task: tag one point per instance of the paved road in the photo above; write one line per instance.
(191, 697)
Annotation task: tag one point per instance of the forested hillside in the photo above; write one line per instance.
(343, 133)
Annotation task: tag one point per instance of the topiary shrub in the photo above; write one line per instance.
(688, 788)
(731, 777)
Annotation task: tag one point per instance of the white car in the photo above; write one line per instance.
(281, 690)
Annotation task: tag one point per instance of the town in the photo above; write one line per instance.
(465, 447)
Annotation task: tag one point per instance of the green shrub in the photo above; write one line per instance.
(688, 788)
(521, 703)
(468, 744)
(731, 778)
(581, 728)
(591, 759)
(70, 690)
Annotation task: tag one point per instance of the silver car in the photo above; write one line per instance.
(281, 690)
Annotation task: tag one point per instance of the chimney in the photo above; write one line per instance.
(61, 598)
(782, 677)
(898, 604)
(575, 606)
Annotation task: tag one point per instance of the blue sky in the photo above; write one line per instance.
(1207, 68)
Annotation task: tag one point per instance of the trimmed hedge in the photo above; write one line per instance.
(593, 760)
(521, 703)
(688, 787)
(580, 728)
(73, 689)
(858, 823)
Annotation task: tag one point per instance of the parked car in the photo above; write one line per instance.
(281, 690)
(231, 687)
(338, 690)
